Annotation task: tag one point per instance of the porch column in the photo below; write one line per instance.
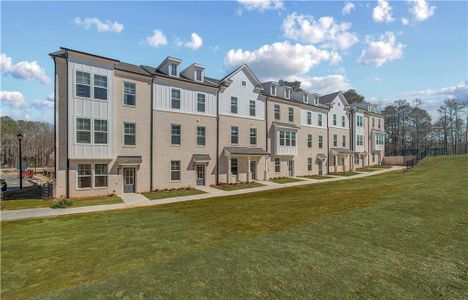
(248, 168)
(228, 173)
(336, 163)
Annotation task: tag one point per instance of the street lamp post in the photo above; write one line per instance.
(20, 137)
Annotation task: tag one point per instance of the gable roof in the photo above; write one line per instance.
(249, 72)
(326, 99)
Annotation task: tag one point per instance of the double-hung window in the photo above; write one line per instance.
(175, 98)
(83, 84)
(282, 138)
(200, 102)
(100, 175)
(334, 119)
(100, 131)
(253, 136)
(234, 166)
(83, 176)
(175, 170)
(343, 121)
(291, 114)
(234, 105)
(309, 164)
(129, 134)
(273, 90)
(277, 112)
(201, 136)
(100, 87)
(293, 139)
(287, 93)
(335, 140)
(380, 123)
(320, 119)
(309, 140)
(343, 142)
(252, 108)
(373, 122)
(305, 98)
(173, 69)
(198, 75)
(83, 131)
(320, 140)
(234, 135)
(175, 134)
(129, 93)
(309, 118)
(277, 165)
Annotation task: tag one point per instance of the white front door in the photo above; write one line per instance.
(129, 180)
(290, 168)
(200, 169)
(253, 169)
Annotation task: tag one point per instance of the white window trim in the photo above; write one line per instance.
(94, 132)
(78, 176)
(170, 171)
(123, 135)
(123, 93)
(91, 131)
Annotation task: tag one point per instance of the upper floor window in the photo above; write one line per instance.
(83, 130)
(129, 93)
(320, 141)
(309, 140)
(287, 138)
(252, 108)
(83, 84)
(379, 139)
(379, 124)
(100, 87)
(244, 83)
(320, 121)
(175, 98)
(373, 122)
(359, 121)
(343, 143)
(234, 105)
(234, 135)
(277, 112)
(201, 136)
(83, 176)
(173, 68)
(334, 119)
(273, 90)
(100, 131)
(335, 140)
(287, 93)
(198, 75)
(253, 136)
(343, 121)
(309, 118)
(200, 102)
(291, 114)
(175, 134)
(305, 98)
(129, 134)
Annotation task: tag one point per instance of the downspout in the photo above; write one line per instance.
(151, 133)
(67, 184)
(55, 119)
(217, 136)
(267, 163)
(368, 140)
(328, 144)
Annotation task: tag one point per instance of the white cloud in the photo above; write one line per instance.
(382, 50)
(101, 26)
(281, 59)
(323, 85)
(157, 39)
(325, 31)
(348, 8)
(421, 10)
(23, 70)
(13, 99)
(195, 43)
(382, 12)
(405, 21)
(459, 91)
(262, 5)
(44, 103)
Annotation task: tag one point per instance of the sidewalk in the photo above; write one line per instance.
(138, 200)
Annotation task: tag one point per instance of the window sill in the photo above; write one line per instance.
(129, 105)
(129, 146)
(100, 187)
(175, 181)
(84, 189)
(175, 145)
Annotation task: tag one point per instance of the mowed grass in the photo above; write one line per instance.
(284, 180)
(171, 194)
(237, 186)
(399, 235)
(367, 169)
(319, 177)
(347, 173)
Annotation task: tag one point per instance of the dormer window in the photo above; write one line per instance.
(244, 83)
(173, 69)
(198, 75)
(287, 94)
(305, 98)
(273, 90)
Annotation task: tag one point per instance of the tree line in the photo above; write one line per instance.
(37, 143)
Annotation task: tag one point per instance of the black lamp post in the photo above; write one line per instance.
(20, 137)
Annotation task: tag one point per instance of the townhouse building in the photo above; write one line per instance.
(124, 128)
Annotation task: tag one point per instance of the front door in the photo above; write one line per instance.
(320, 167)
(129, 180)
(200, 169)
(253, 169)
(290, 168)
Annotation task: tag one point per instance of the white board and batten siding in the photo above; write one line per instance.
(359, 130)
(90, 108)
(338, 108)
(243, 94)
(188, 100)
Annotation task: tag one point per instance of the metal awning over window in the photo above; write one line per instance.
(201, 158)
(321, 156)
(286, 126)
(339, 151)
(245, 151)
(129, 160)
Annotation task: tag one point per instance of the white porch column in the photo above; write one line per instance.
(228, 173)
(248, 168)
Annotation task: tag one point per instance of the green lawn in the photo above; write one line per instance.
(367, 169)
(348, 173)
(37, 203)
(238, 186)
(170, 194)
(399, 235)
(285, 180)
(317, 177)
(381, 166)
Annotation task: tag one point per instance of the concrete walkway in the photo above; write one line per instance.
(138, 200)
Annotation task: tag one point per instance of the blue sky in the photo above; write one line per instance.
(385, 50)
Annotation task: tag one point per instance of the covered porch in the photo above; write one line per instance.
(342, 160)
(244, 164)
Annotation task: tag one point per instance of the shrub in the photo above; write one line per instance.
(62, 203)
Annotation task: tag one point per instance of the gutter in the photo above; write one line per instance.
(328, 144)
(217, 136)
(67, 184)
(55, 119)
(151, 132)
(267, 164)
